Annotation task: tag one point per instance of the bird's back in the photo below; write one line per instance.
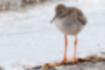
(79, 15)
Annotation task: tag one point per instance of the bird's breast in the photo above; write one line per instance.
(68, 26)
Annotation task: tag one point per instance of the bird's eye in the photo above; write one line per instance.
(61, 11)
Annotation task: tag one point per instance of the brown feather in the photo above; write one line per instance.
(80, 15)
(70, 10)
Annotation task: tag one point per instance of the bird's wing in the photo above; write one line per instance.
(77, 14)
(82, 19)
(80, 16)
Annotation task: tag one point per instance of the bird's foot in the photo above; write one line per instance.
(65, 60)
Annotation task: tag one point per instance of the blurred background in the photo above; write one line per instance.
(27, 37)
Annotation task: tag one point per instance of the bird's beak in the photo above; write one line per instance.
(54, 18)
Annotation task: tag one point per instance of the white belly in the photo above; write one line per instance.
(69, 27)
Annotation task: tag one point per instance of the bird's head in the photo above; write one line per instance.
(61, 11)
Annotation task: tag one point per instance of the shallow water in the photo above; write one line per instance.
(27, 37)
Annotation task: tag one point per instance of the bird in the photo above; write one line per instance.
(70, 21)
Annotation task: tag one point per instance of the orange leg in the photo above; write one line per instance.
(75, 48)
(65, 50)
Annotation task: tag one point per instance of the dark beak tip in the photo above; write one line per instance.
(51, 22)
(53, 19)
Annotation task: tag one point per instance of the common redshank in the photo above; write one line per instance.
(70, 21)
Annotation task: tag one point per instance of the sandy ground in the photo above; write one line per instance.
(28, 38)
